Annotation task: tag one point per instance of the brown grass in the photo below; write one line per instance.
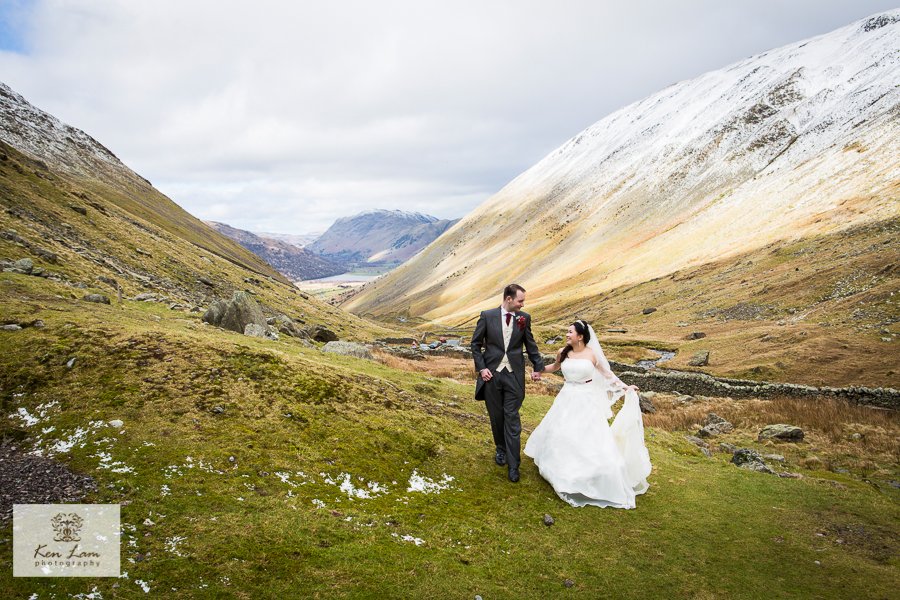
(837, 433)
(458, 369)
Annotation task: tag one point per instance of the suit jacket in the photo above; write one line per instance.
(487, 347)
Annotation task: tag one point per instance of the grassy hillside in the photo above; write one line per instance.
(106, 237)
(231, 469)
(820, 310)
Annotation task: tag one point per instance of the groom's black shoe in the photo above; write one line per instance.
(514, 475)
(500, 457)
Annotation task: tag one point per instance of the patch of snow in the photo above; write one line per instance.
(418, 483)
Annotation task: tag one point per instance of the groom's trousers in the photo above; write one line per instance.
(503, 396)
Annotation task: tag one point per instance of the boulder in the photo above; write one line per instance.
(746, 458)
(714, 425)
(98, 298)
(348, 349)
(287, 326)
(255, 330)
(696, 441)
(646, 403)
(23, 266)
(235, 314)
(322, 334)
(696, 335)
(700, 359)
(213, 314)
(648, 311)
(781, 432)
(241, 311)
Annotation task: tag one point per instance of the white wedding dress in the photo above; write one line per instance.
(587, 461)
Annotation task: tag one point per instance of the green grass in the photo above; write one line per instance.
(705, 529)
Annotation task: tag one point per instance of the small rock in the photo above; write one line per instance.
(787, 475)
(146, 297)
(700, 359)
(322, 334)
(747, 458)
(218, 410)
(715, 425)
(116, 423)
(98, 298)
(646, 403)
(774, 457)
(856, 437)
(11, 327)
(568, 583)
(729, 448)
(548, 520)
(71, 363)
(696, 335)
(696, 441)
(23, 266)
(685, 399)
(648, 311)
(148, 522)
(255, 330)
(782, 432)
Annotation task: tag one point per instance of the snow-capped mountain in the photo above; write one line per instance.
(796, 141)
(379, 237)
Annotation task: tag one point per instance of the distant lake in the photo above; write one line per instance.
(343, 278)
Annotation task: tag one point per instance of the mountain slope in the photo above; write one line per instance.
(94, 225)
(74, 155)
(798, 141)
(291, 261)
(379, 237)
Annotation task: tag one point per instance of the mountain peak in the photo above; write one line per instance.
(798, 140)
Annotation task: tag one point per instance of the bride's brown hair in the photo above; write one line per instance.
(581, 328)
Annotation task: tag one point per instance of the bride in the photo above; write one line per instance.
(586, 460)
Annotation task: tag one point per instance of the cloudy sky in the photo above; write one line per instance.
(283, 116)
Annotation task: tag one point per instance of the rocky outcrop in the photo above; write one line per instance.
(235, 314)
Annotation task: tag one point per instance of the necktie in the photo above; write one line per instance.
(508, 317)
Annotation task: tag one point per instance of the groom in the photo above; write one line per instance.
(497, 350)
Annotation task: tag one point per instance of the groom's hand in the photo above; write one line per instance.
(486, 375)
(536, 376)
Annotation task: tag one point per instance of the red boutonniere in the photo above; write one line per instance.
(520, 321)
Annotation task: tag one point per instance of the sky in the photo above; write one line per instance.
(282, 116)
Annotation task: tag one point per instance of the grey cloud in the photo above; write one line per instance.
(284, 116)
